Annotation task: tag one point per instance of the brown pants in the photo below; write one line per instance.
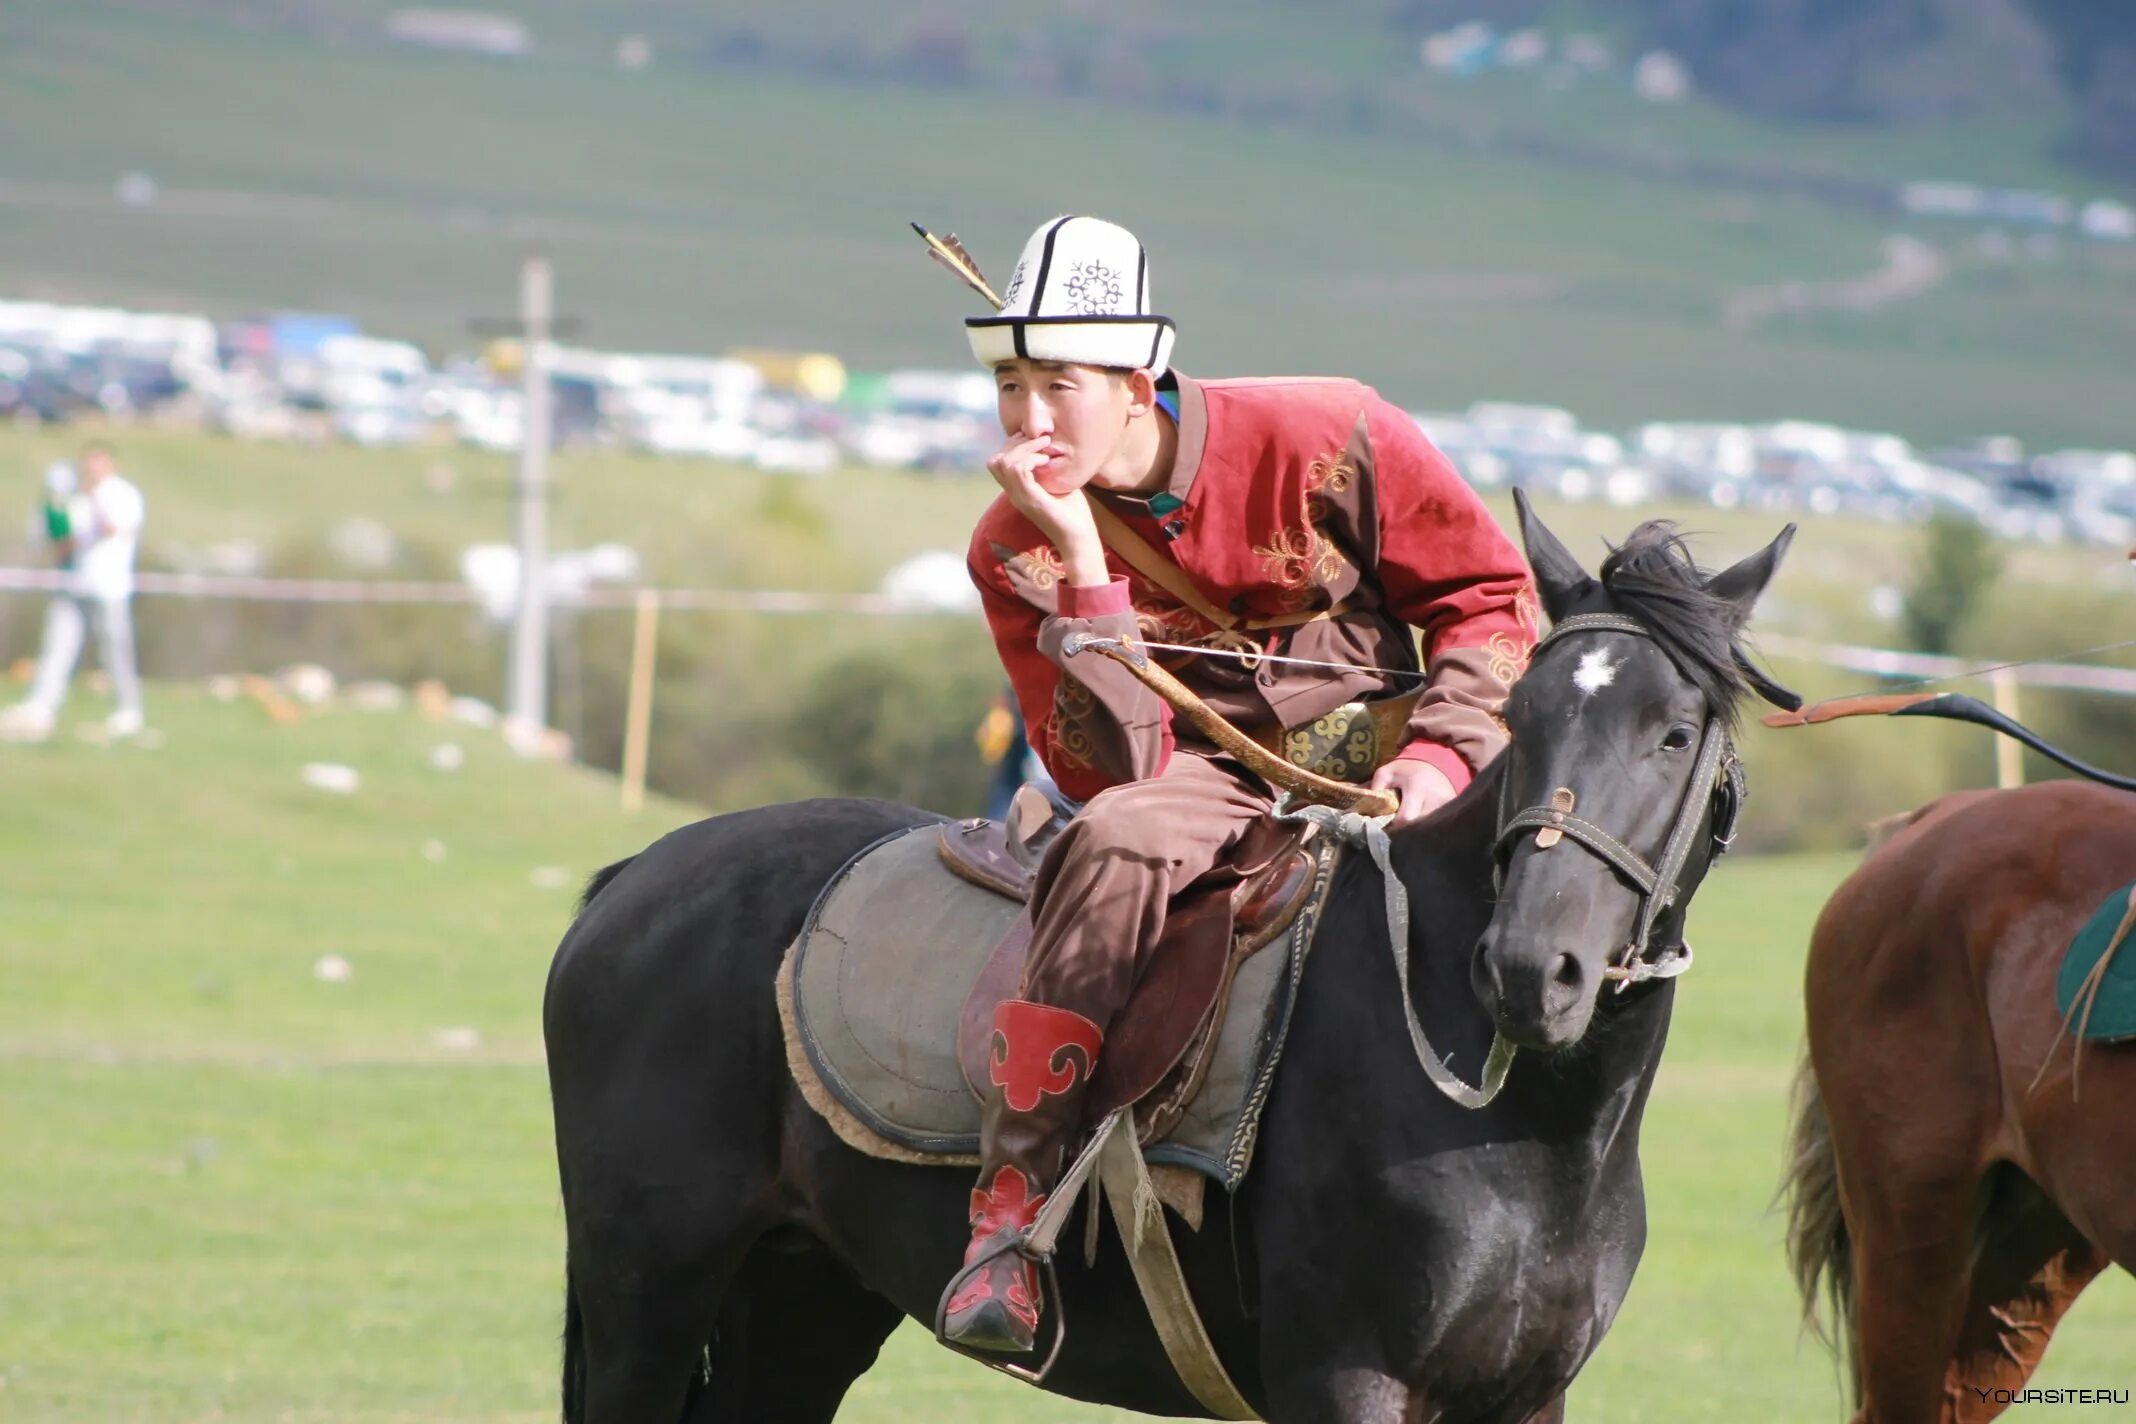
(1101, 893)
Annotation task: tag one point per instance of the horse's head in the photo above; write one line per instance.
(1621, 781)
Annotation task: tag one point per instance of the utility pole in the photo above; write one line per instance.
(527, 699)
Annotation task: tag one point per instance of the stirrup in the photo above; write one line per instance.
(1049, 1293)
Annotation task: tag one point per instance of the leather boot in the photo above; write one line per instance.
(1038, 1070)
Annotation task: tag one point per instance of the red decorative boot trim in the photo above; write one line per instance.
(1011, 1280)
(1039, 1051)
(1005, 1205)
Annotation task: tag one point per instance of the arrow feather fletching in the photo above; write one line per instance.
(951, 254)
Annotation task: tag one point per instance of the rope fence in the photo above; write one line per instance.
(1879, 662)
(273, 590)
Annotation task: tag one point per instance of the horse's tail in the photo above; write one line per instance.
(1819, 1250)
(574, 1352)
(574, 1388)
(599, 882)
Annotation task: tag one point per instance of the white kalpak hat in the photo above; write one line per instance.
(1080, 293)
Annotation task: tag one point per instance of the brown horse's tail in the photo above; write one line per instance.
(1819, 1251)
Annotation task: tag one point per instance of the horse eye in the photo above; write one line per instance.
(1678, 739)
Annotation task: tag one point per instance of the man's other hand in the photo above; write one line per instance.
(1422, 787)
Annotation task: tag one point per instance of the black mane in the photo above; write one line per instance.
(1652, 577)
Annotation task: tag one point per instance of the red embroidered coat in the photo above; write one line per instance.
(1287, 496)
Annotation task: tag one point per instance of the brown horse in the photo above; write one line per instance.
(1952, 1189)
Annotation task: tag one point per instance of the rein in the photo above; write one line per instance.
(1718, 773)
(1371, 832)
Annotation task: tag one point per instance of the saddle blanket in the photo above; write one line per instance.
(2098, 975)
(872, 988)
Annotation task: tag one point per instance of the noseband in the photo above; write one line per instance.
(1716, 779)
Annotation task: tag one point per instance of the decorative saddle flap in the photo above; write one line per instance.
(2095, 991)
(1004, 855)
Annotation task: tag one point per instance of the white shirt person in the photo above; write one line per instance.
(95, 535)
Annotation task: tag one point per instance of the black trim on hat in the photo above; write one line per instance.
(1067, 321)
(1045, 261)
(1019, 336)
(1142, 268)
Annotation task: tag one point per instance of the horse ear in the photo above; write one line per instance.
(1742, 583)
(1558, 575)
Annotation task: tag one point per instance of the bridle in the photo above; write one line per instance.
(1717, 780)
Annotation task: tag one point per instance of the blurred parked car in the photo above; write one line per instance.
(30, 391)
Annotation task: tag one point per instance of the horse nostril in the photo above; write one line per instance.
(1567, 971)
(1483, 974)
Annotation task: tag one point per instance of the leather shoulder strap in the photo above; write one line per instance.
(1155, 567)
(1159, 570)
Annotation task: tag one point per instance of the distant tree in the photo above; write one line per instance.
(1959, 564)
(896, 722)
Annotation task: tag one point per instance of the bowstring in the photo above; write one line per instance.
(1896, 684)
(1278, 658)
(1983, 671)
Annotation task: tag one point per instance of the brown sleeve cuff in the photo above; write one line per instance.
(1104, 718)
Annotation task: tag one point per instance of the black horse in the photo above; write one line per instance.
(1391, 1256)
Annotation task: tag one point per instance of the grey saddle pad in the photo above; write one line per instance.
(879, 975)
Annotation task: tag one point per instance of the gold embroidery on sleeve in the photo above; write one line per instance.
(1070, 739)
(1303, 560)
(1041, 565)
(1509, 657)
(1528, 611)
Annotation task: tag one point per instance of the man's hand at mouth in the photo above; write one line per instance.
(1063, 517)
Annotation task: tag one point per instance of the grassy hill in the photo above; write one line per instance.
(236, 1191)
(1501, 241)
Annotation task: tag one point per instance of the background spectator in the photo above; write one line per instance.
(94, 532)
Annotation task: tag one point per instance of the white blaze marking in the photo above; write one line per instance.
(1594, 673)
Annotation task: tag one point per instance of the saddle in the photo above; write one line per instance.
(888, 990)
(1160, 1037)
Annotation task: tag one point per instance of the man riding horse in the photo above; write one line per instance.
(1298, 533)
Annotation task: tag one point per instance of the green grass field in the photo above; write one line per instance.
(233, 1191)
(697, 209)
